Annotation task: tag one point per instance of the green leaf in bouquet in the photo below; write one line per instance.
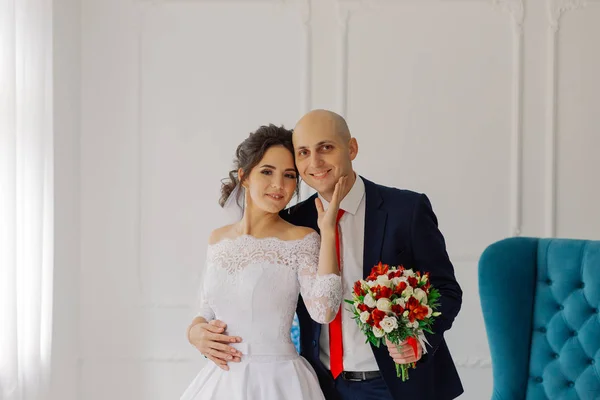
(374, 340)
(394, 336)
(434, 296)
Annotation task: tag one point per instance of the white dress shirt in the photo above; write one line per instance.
(358, 355)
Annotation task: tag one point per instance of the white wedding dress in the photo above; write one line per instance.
(252, 285)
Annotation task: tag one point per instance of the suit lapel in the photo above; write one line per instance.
(304, 213)
(375, 219)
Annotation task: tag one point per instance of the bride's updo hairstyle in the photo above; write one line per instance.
(251, 151)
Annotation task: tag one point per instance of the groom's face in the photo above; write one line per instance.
(322, 156)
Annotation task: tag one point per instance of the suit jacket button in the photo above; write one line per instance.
(314, 343)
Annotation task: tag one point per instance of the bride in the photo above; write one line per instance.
(255, 269)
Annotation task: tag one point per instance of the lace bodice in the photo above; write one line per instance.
(252, 284)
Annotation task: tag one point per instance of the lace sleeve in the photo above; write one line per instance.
(322, 294)
(204, 309)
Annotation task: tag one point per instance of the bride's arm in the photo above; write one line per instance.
(327, 254)
(318, 274)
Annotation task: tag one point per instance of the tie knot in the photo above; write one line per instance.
(339, 215)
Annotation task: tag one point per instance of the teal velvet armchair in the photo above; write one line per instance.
(540, 301)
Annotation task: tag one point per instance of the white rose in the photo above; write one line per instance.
(364, 316)
(429, 311)
(413, 325)
(408, 272)
(378, 332)
(397, 280)
(371, 283)
(370, 301)
(388, 324)
(384, 280)
(420, 295)
(400, 301)
(384, 304)
(408, 292)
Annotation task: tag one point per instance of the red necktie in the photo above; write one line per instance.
(336, 347)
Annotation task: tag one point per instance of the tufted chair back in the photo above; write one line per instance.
(540, 300)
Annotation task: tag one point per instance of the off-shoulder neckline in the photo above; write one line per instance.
(263, 239)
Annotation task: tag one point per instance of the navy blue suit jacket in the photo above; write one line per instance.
(400, 229)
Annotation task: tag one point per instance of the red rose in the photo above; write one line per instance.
(397, 309)
(412, 303)
(382, 291)
(400, 288)
(358, 290)
(378, 316)
(416, 310)
(420, 313)
(363, 307)
(412, 281)
(380, 269)
(395, 274)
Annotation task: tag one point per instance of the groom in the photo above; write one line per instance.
(396, 227)
(378, 224)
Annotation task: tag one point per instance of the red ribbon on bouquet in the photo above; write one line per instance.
(412, 341)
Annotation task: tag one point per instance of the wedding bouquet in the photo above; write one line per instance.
(397, 304)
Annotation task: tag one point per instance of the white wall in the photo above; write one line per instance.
(487, 106)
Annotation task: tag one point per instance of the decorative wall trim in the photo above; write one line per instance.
(473, 363)
(306, 14)
(344, 12)
(516, 170)
(556, 9)
(516, 10)
(550, 145)
(141, 18)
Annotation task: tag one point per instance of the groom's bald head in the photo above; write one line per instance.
(324, 121)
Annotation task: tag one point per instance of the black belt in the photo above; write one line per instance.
(359, 376)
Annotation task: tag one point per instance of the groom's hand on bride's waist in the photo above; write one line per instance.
(210, 340)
